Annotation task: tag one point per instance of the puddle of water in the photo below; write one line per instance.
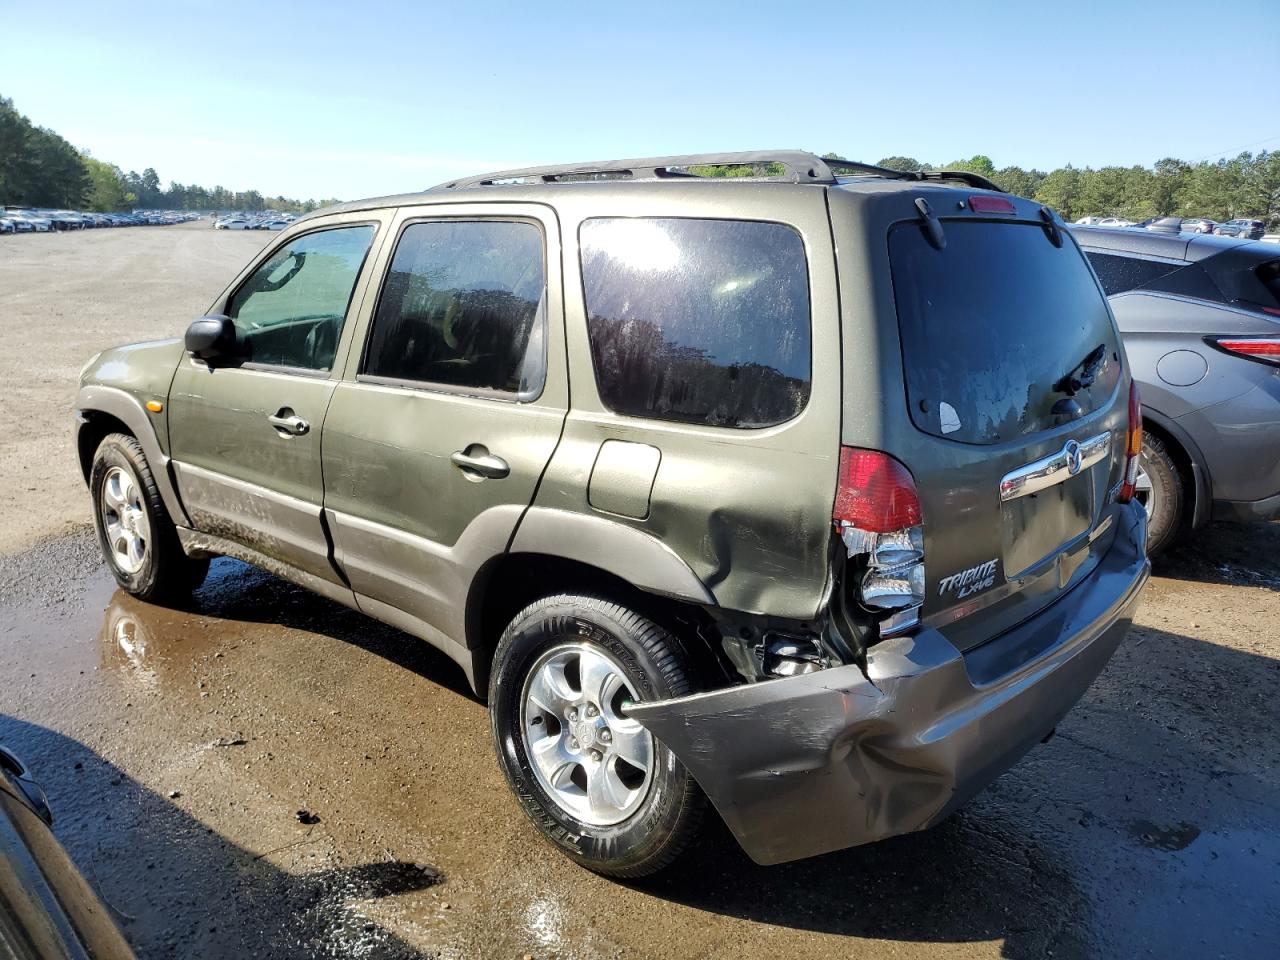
(1174, 838)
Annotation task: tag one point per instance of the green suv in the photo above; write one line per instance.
(807, 490)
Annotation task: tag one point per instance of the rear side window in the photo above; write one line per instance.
(463, 306)
(992, 325)
(1119, 273)
(698, 321)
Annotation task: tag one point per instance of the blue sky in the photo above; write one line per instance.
(320, 99)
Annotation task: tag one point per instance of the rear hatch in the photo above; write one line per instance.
(1018, 398)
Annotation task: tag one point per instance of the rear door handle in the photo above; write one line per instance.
(288, 423)
(477, 463)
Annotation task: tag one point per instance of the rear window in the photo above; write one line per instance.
(992, 324)
(698, 321)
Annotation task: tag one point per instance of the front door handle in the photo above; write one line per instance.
(477, 463)
(288, 423)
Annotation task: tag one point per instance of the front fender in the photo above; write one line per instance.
(129, 411)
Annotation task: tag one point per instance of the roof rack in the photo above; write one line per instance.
(784, 166)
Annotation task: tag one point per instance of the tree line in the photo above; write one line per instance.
(1245, 186)
(39, 168)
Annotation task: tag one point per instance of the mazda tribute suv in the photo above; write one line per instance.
(806, 492)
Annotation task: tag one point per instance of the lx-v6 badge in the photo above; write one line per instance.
(968, 582)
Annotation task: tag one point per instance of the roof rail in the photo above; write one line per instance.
(785, 166)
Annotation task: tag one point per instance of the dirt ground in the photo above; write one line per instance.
(179, 746)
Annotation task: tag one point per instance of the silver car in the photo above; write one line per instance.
(1200, 316)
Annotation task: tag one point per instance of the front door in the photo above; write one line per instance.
(245, 436)
(438, 435)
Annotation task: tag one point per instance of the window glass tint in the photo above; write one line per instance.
(290, 311)
(463, 305)
(1119, 274)
(700, 321)
(1188, 281)
(991, 325)
(1269, 274)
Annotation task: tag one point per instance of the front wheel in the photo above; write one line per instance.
(1160, 491)
(137, 537)
(594, 781)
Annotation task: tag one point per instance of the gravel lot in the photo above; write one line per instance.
(179, 746)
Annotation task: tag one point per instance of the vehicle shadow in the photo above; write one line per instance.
(176, 888)
(238, 591)
(1226, 553)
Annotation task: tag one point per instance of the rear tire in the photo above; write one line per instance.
(137, 537)
(1161, 493)
(554, 736)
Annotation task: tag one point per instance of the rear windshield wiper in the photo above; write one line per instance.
(1090, 367)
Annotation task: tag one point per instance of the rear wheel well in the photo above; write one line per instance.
(95, 429)
(1181, 460)
(513, 581)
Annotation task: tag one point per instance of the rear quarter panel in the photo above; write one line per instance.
(748, 510)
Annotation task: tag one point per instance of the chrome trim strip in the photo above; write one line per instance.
(1055, 468)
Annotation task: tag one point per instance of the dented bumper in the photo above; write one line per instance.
(813, 763)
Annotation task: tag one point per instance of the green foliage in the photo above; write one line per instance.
(37, 166)
(910, 164)
(1246, 186)
(40, 169)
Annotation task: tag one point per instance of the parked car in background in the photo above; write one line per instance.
(47, 908)
(1244, 229)
(271, 225)
(232, 223)
(16, 224)
(1114, 222)
(1200, 317)
(1162, 225)
(1197, 225)
(649, 517)
(37, 223)
(1088, 221)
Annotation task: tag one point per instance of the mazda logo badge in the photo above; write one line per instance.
(1074, 457)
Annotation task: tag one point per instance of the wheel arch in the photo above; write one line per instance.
(512, 581)
(1197, 480)
(104, 410)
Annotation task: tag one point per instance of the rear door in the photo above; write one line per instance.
(1016, 393)
(452, 403)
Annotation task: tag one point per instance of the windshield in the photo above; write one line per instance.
(998, 327)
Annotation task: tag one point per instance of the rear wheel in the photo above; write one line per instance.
(594, 782)
(137, 537)
(1161, 492)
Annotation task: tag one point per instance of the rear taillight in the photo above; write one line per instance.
(1132, 447)
(1262, 349)
(877, 514)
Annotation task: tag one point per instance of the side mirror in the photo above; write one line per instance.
(212, 338)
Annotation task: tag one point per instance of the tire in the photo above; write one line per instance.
(653, 827)
(1163, 494)
(159, 571)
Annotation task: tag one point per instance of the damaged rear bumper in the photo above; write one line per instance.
(808, 764)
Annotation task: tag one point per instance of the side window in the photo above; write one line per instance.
(698, 321)
(463, 305)
(290, 311)
(1119, 274)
